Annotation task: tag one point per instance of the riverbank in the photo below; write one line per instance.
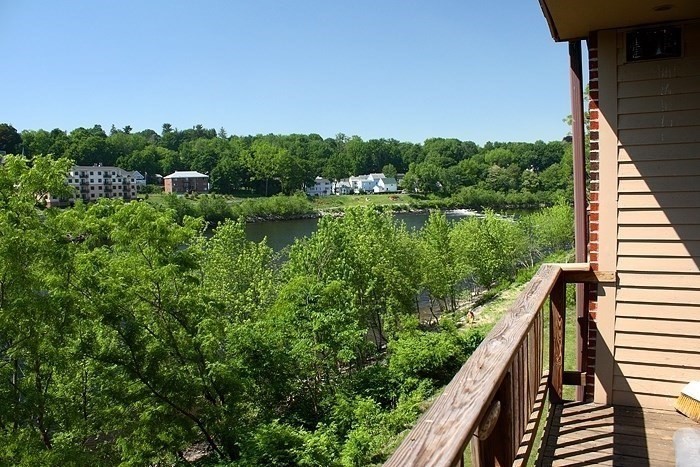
(216, 208)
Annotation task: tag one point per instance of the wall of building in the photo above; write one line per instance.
(645, 220)
(186, 185)
(92, 183)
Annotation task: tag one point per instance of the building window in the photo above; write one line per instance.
(92, 195)
(92, 173)
(92, 188)
(99, 173)
(99, 180)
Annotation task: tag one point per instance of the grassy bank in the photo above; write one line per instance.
(215, 208)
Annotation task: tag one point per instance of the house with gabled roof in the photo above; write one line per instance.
(373, 183)
(321, 187)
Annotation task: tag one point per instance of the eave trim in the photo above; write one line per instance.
(550, 21)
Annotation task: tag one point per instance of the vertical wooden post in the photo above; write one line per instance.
(557, 313)
(580, 231)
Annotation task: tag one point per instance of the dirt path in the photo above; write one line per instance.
(487, 315)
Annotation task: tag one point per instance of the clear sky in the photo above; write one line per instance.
(404, 69)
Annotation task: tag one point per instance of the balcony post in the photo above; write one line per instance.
(581, 237)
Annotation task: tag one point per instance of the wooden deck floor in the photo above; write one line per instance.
(589, 434)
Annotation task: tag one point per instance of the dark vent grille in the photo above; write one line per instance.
(651, 44)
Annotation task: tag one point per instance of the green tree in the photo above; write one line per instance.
(441, 273)
(389, 170)
(337, 167)
(262, 160)
(37, 316)
(492, 247)
(10, 139)
(89, 146)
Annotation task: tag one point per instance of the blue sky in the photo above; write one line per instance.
(480, 71)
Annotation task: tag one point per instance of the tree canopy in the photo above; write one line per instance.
(495, 175)
(127, 337)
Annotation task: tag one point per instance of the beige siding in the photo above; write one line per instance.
(657, 324)
(662, 249)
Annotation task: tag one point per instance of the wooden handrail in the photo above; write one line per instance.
(502, 380)
(443, 432)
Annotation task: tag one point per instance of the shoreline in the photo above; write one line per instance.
(340, 212)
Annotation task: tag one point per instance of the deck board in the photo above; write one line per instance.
(581, 434)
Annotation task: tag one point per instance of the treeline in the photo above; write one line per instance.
(493, 175)
(126, 338)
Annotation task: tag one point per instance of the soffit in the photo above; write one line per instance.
(575, 19)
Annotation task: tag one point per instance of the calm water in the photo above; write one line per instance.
(283, 233)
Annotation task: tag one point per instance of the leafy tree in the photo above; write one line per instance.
(389, 170)
(89, 146)
(492, 247)
(337, 167)
(37, 142)
(229, 174)
(440, 270)
(121, 144)
(202, 154)
(369, 253)
(262, 160)
(425, 177)
(10, 139)
(326, 336)
(35, 340)
(147, 160)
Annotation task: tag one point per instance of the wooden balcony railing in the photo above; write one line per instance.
(496, 398)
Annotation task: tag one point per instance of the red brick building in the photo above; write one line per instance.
(186, 182)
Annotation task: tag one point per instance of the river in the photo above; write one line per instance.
(281, 234)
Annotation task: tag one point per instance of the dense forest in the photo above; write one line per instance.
(493, 175)
(127, 338)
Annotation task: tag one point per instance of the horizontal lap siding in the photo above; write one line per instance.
(657, 325)
(690, 248)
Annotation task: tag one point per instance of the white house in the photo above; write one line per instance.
(362, 184)
(386, 185)
(138, 177)
(342, 187)
(321, 187)
(373, 183)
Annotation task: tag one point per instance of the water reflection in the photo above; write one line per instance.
(281, 234)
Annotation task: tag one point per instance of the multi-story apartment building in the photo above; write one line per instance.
(188, 181)
(95, 182)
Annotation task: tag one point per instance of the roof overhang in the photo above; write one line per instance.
(575, 19)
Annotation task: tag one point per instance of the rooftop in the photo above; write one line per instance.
(186, 174)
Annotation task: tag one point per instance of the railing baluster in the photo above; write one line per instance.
(497, 449)
(557, 307)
